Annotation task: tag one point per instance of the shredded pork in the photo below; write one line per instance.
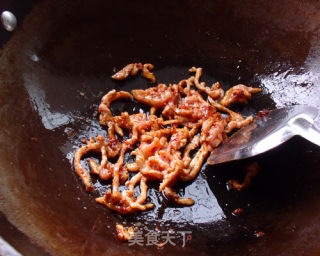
(123, 234)
(133, 69)
(168, 148)
(251, 171)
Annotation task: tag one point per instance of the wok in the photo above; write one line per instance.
(56, 66)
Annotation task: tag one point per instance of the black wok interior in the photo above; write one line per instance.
(57, 65)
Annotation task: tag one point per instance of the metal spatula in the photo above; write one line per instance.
(267, 132)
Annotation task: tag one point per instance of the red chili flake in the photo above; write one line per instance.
(238, 211)
(113, 142)
(259, 234)
(34, 139)
(264, 113)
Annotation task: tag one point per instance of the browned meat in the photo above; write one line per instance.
(133, 69)
(238, 94)
(215, 92)
(123, 234)
(252, 170)
(160, 141)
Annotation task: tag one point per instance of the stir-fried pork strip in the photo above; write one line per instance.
(251, 171)
(123, 234)
(162, 146)
(238, 94)
(215, 92)
(133, 69)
